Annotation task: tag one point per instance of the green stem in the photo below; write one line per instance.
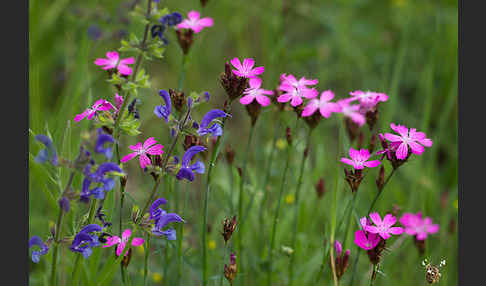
(146, 261)
(296, 210)
(277, 212)
(204, 231)
(223, 261)
(182, 74)
(373, 274)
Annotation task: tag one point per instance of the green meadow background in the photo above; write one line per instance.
(405, 48)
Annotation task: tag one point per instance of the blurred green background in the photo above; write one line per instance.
(405, 48)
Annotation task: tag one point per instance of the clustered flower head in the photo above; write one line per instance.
(161, 219)
(140, 150)
(113, 62)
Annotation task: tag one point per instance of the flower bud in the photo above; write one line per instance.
(354, 179)
(372, 145)
(253, 109)
(380, 181)
(231, 270)
(178, 99)
(375, 254)
(229, 154)
(185, 37)
(371, 118)
(320, 188)
(288, 135)
(64, 204)
(229, 227)
(232, 84)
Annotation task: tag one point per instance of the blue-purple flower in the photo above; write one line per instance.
(215, 129)
(162, 219)
(86, 239)
(98, 177)
(100, 142)
(49, 153)
(187, 170)
(36, 254)
(166, 21)
(164, 111)
(64, 204)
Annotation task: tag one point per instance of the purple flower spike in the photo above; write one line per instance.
(187, 171)
(49, 153)
(164, 111)
(100, 141)
(84, 241)
(162, 219)
(98, 177)
(36, 254)
(214, 129)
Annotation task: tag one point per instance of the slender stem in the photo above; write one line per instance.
(333, 266)
(182, 74)
(296, 208)
(204, 231)
(223, 260)
(146, 261)
(373, 274)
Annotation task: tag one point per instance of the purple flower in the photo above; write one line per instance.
(365, 240)
(49, 153)
(214, 129)
(100, 141)
(412, 139)
(187, 171)
(98, 177)
(418, 227)
(164, 111)
(64, 204)
(36, 254)
(94, 32)
(162, 219)
(383, 227)
(85, 240)
(172, 19)
(359, 159)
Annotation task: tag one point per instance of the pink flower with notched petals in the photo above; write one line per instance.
(294, 90)
(255, 92)
(383, 227)
(121, 243)
(112, 61)
(365, 240)
(412, 139)
(418, 227)
(143, 150)
(352, 111)
(90, 112)
(194, 22)
(359, 159)
(368, 99)
(325, 107)
(292, 81)
(246, 69)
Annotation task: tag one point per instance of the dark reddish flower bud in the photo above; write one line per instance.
(240, 172)
(375, 254)
(444, 199)
(107, 129)
(253, 109)
(126, 259)
(354, 179)
(231, 270)
(352, 129)
(178, 99)
(229, 227)
(396, 210)
(210, 228)
(233, 84)
(185, 37)
(288, 135)
(123, 181)
(341, 262)
(320, 188)
(306, 152)
(372, 117)
(452, 226)
(229, 154)
(372, 145)
(204, 2)
(313, 120)
(380, 181)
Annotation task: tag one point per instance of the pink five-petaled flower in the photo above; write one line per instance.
(112, 61)
(325, 107)
(415, 225)
(368, 99)
(147, 148)
(112, 240)
(407, 139)
(359, 159)
(365, 240)
(383, 227)
(295, 89)
(292, 81)
(246, 69)
(100, 105)
(255, 92)
(194, 22)
(351, 111)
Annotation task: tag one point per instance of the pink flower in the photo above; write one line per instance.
(112, 240)
(325, 107)
(118, 101)
(366, 241)
(295, 89)
(194, 22)
(415, 225)
(147, 148)
(351, 111)
(359, 159)
(407, 139)
(383, 227)
(255, 92)
(368, 99)
(100, 105)
(246, 70)
(113, 61)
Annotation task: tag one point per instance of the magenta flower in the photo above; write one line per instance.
(194, 22)
(295, 89)
(359, 159)
(113, 240)
(351, 111)
(365, 240)
(368, 99)
(325, 107)
(118, 101)
(246, 69)
(407, 139)
(112, 61)
(255, 92)
(100, 105)
(383, 227)
(415, 225)
(292, 81)
(147, 148)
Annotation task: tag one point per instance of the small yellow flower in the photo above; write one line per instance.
(157, 277)
(289, 199)
(211, 244)
(281, 143)
(455, 204)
